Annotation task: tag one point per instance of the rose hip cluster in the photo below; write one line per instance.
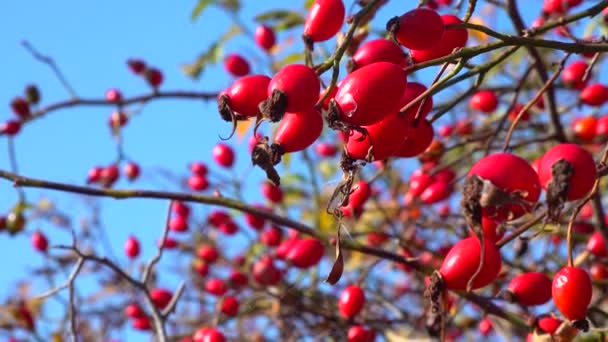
(21, 106)
(366, 105)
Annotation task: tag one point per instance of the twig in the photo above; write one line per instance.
(51, 63)
(159, 250)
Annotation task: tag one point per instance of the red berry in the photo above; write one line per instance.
(377, 238)
(549, 324)
(382, 140)
(216, 286)
(484, 101)
(436, 192)
(141, 323)
(132, 248)
(134, 311)
(230, 306)
(419, 180)
(198, 168)
(461, 262)
(217, 217)
(208, 335)
(132, 171)
(595, 94)
(532, 288)
(228, 228)
(420, 29)
(412, 91)
(599, 271)
(573, 74)
(445, 131)
(324, 19)
(223, 155)
(113, 95)
(265, 272)
(306, 253)
(596, 245)
(572, 292)
(236, 65)
(559, 6)
(299, 130)
(178, 224)
(485, 327)
(513, 175)
(358, 333)
(180, 208)
(265, 37)
(351, 301)
(207, 253)
(601, 128)
(237, 279)
(168, 243)
(326, 149)
(20, 107)
(246, 93)
(198, 183)
(117, 119)
(154, 77)
(40, 242)
(360, 193)
(371, 93)
(452, 39)
(379, 50)
(10, 127)
(583, 176)
(137, 66)
(285, 247)
(200, 267)
(94, 174)
(254, 221)
(272, 192)
(525, 116)
(271, 237)
(418, 139)
(585, 128)
(299, 84)
(109, 175)
(161, 297)
(582, 227)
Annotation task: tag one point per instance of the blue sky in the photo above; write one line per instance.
(91, 41)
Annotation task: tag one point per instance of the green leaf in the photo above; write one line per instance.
(280, 19)
(199, 8)
(211, 56)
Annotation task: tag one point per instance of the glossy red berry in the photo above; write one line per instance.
(246, 93)
(285, 247)
(271, 237)
(572, 292)
(299, 130)
(198, 168)
(359, 333)
(236, 65)
(559, 6)
(598, 271)
(420, 29)
(230, 306)
(412, 91)
(161, 297)
(178, 224)
(584, 173)
(382, 140)
(351, 301)
(601, 128)
(371, 93)
(596, 245)
(532, 288)
(549, 324)
(131, 170)
(208, 335)
(324, 19)
(113, 95)
(198, 183)
(513, 175)
(525, 116)
(154, 77)
(265, 272)
(180, 208)
(573, 74)
(452, 39)
(168, 243)
(484, 101)
(132, 248)
(10, 127)
(585, 128)
(94, 174)
(378, 50)
(360, 193)
(418, 139)
(237, 279)
(299, 84)
(223, 155)
(40, 242)
(461, 262)
(306, 253)
(595, 94)
(435, 192)
(216, 286)
(491, 230)
(207, 253)
(20, 107)
(272, 192)
(265, 38)
(137, 66)
(485, 327)
(134, 311)
(109, 175)
(141, 323)
(326, 149)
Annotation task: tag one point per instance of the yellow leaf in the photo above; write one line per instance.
(480, 36)
(242, 127)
